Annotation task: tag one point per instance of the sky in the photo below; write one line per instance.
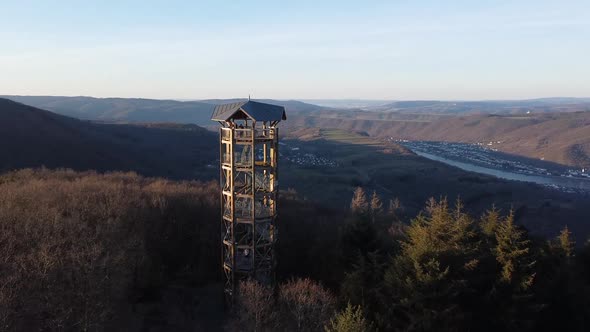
(394, 50)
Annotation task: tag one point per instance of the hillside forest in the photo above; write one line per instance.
(115, 227)
(83, 251)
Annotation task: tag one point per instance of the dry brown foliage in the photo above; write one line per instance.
(74, 247)
(255, 309)
(301, 305)
(305, 305)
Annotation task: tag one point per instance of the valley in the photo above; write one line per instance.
(321, 164)
(394, 171)
(551, 129)
(476, 158)
(562, 138)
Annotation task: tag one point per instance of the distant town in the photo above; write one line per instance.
(295, 155)
(487, 156)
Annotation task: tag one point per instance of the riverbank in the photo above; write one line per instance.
(491, 164)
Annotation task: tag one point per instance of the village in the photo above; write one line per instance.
(484, 154)
(295, 155)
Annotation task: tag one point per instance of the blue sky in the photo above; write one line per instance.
(296, 49)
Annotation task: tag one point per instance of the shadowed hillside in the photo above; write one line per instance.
(122, 109)
(30, 137)
(135, 110)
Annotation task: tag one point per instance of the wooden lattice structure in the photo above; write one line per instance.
(249, 152)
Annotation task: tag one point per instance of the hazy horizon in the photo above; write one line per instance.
(498, 50)
(306, 100)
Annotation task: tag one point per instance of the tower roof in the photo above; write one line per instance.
(255, 110)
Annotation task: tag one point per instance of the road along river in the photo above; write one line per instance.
(578, 184)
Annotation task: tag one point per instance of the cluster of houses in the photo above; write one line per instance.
(297, 156)
(582, 173)
(479, 154)
(309, 159)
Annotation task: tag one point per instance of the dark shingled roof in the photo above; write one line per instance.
(255, 110)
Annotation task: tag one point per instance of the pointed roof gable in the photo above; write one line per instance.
(253, 109)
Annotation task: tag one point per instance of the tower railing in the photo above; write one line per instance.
(246, 134)
(243, 134)
(266, 133)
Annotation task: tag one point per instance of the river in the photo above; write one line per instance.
(548, 180)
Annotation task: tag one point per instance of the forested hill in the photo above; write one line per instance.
(135, 110)
(122, 109)
(119, 252)
(31, 137)
(540, 105)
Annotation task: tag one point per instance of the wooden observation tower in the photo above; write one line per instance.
(248, 157)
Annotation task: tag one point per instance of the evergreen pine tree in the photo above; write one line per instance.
(376, 207)
(394, 215)
(565, 242)
(363, 284)
(427, 280)
(394, 209)
(359, 235)
(350, 319)
(559, 290)
(489, 221)
(512, 252)
(439, 232)
(359, 204)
